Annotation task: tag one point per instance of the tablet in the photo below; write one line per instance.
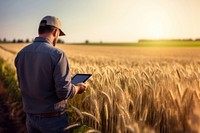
(78, 78)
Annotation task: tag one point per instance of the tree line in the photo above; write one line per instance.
(165, 40)
(4, 40)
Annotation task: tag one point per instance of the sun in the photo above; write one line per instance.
(156, 23)
(156, 29)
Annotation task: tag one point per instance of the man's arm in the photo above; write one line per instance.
(64, 88)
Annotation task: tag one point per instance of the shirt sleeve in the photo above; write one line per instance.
(64, 88)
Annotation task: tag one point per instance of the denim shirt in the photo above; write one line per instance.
(44, 76)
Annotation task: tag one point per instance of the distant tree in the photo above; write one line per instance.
(87, 41)
(14, 41)
(60, 41)
(198, 39)
(0, 40)
(20, 41)
(27, 40)
(4, 40)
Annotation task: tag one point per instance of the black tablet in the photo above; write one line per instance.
(78, 78)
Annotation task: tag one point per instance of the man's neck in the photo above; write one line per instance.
(48, 36)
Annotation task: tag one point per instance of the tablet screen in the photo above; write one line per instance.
(78, 78)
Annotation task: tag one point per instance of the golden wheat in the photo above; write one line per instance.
(134, 89)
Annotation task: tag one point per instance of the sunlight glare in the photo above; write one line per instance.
(156, 29)
(156, 22)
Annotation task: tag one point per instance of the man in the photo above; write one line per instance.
(44, 79)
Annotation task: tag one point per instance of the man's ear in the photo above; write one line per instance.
(55, 32)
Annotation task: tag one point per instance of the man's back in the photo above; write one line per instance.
(38, 67)
(44, 80)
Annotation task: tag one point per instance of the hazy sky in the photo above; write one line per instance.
(103, 20)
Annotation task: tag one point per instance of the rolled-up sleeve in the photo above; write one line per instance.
(62, 78)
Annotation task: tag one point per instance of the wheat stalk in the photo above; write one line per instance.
(92, 131)
(78, 112)
(72, 126)
(90, 116)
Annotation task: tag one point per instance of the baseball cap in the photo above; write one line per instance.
(52, 21)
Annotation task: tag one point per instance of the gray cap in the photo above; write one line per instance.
(52, 21)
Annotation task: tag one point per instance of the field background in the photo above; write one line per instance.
(133, 88)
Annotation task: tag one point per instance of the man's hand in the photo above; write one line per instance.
(80, 88)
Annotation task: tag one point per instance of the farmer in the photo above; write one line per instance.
(44, 79)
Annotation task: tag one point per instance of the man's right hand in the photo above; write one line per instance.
(80, 88)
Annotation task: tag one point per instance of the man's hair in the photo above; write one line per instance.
(45, 28)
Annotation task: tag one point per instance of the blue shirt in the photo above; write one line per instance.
(43, 75)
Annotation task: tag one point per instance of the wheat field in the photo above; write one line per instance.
(133, 89)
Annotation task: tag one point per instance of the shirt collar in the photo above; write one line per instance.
(42, 39)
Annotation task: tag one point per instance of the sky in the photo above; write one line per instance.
(103, 20)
